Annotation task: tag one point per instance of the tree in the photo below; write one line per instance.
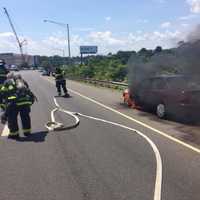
(145, 53)
(124, 56)
(158, 49)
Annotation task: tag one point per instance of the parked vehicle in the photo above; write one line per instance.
(40, 69)
(45, 73)
(14, 68)
(175, 95)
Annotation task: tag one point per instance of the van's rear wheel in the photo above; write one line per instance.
(161, 111)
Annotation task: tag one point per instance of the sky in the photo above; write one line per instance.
(112, 25)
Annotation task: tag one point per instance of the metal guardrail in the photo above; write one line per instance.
(100, 81)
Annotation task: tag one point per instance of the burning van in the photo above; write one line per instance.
(167, 95)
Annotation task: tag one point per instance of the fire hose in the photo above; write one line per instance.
(53, 125)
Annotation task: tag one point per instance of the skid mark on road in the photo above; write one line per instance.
(158, 181)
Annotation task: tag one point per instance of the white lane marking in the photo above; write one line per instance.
(139, 122)
(136, 121)
(5, 131)
(158, 182)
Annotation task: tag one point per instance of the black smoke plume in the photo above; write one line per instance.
(184, 59)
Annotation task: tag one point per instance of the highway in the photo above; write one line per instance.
(114, 154)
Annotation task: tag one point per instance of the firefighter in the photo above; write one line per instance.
(3, 77)
(61, 82)
(18, 100)
(3, 72)
(19, 80)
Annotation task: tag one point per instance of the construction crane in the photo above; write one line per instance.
(20, 43)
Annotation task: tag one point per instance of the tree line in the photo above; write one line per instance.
(108, 67)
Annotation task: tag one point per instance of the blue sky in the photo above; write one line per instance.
(111, 24)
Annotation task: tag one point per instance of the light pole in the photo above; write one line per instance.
(68, 34)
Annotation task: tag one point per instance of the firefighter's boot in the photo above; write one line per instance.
(14, 136)
(66, 95)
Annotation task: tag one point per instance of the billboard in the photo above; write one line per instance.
(88, 49)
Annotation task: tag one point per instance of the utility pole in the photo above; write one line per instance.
(20, 44)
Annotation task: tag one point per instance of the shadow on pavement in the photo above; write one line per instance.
(63, 96)
(34, 137)
(187, 131)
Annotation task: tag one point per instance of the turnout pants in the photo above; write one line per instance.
(61, 84)
(12, 115)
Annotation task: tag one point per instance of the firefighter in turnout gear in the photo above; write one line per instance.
(3, 72)
(61, 82)
(18, 99)
(3, 77)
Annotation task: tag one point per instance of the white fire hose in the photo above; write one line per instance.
(53, 125)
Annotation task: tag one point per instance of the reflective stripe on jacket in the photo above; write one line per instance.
(24, 100)
(60, 76)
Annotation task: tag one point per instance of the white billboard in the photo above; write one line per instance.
(88, 49)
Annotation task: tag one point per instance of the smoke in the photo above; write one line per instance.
(194, 35)
(184, 59)
(142, 68)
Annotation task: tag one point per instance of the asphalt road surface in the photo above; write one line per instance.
(99, 159)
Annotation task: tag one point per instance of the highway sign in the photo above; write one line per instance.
(88, 49)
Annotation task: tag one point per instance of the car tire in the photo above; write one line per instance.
(161, 110)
